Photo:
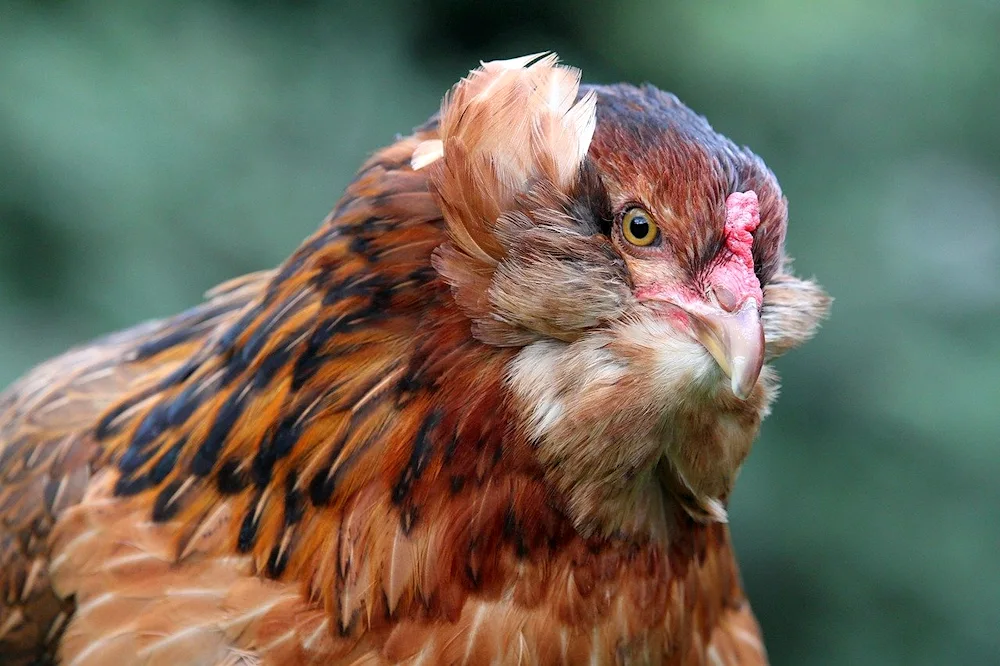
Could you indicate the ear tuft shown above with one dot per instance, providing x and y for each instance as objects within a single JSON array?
[
  {"x": 509, "y": 131},
  {"x": 793, "y": 309},
  {"x": 508, "y": 124}
]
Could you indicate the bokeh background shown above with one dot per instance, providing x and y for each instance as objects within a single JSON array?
[{"x": 150, "y": 150}]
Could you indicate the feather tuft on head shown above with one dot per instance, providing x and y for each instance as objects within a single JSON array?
[{"x": 507, "y": 125}]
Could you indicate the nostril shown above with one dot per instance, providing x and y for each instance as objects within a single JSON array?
[{"x": 726, "y": 298}]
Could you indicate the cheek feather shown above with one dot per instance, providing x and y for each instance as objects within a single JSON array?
[
  {"x": 532, "y": 375},
  {"x": 670, "y": 360}
]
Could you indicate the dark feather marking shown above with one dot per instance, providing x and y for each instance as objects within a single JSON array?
[
  {"x": 471, "y": 571},
  {"x": 182, "y": 406},
  {"x": 236, "y": 367},
  {"x": 375, "y": 224},
  {"x": 352, "y": 286},
  {"x": 281, "y": 313},
  {"x": 286, "y": 435},
  {"x": 133, "y": 459},
  {"x": 360, "y": 245},
  {"x": 104, "y": 427},
  {"x": 346, "y": 201},
  {"x": 423, "y": 275},
  {"x": 230, "y": 479},
  {"x": 322, "y": 486},
  {"x": 408, "y": 518},
  {"x": 274, "y": 448},
  {"x": 295, "y": 263},
  {"x": 248, "y": 529},
  {"x": 228, "y": 339},
  {"x": 380, "y": 301},
  {"x": 166, "y": 463},
  {"x": 293, "y": 499},
  {"x": 450, "y": 448},
  {"x": 423, "y": 448},
  {"x": 208, "y": 453},
  {"x": 174, "y": 338},
  {"x": 324, "y": 483},
  {"x": 277, "y": 561},
  {"x": 251, "y": 348},
  {"x": 262, "y": 466},
  {"x": 131, "y": 485},
  {"x": 513, "y": 532},
  {"x": 311, "y": 358},
  {"x": 412, "y": 382},
  {"x": 509, "y": 522},
  {"x": 306, "y": 366},
  {"x": 183, "y": 328},
  {"x": 180, "y": 375},
  {"x": 273, "y": 362},
  {"x": 153, "y": 347},
  {"x": 165, "y": 506},
  {"x": 148, "y": 432}
]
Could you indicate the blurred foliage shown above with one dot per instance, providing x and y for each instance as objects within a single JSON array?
[{"x": 150, "y": 150}]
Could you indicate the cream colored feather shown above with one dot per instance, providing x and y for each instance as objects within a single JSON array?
[{"x": 506, "y": 125}]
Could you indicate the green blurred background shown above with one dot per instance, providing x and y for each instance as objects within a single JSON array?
[{"x": 151, "y": 150}]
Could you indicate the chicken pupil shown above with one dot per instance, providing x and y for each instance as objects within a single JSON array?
[{"x": 639, "y": 226}]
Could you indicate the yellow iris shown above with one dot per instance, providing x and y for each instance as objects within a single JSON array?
[{"x": 637, "y": 228}]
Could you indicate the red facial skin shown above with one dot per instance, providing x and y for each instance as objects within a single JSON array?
[{"x": 726, "y": 319}]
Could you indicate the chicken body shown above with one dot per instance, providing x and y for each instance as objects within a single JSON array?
[{"x": 490, "y": 412}]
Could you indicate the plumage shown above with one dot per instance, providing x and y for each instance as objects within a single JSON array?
[{"x": 465, "y": 422}]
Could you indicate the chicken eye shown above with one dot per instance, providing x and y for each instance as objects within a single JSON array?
[{"x": 637, "y": 228}]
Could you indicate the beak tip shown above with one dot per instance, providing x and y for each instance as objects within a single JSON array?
[{"x": 742, "y": 380}]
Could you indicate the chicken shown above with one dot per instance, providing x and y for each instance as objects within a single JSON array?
[{"x": 491, "y": 412}]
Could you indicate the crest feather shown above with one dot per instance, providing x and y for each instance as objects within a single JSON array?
[{"x": 506, "y": 125}]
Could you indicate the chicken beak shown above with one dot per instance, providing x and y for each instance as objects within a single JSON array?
[{"x": 736, "y": 342}]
